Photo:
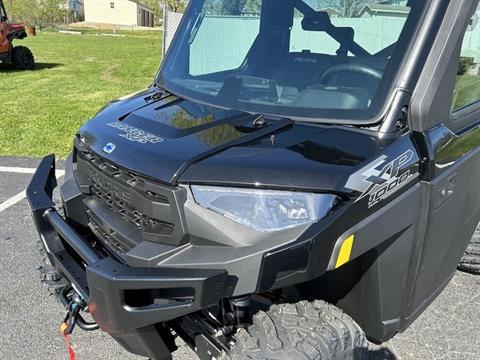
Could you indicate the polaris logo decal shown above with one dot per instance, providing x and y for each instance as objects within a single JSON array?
[
  {"x": 136, "y": 135},
  {"x": 109, "y": 148},
  {"x": 382, "y": 178}
]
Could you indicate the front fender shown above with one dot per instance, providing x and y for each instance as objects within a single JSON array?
[{"x": 16, "y": 31}]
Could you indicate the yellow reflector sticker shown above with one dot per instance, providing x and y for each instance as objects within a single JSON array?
[{"x": 345, "y": 252}]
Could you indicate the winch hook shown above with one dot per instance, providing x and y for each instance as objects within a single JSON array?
[{"x": 75, "y": 304}]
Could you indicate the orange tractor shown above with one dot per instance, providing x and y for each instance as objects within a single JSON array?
[{"x": 19, "y": 57}]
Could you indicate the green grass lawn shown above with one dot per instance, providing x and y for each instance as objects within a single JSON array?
[
  {"x": 467, "y": 90},
  {"x": 75, "y": 76}
]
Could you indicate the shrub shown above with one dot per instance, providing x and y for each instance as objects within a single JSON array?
[{"x": 465, "y": 64}]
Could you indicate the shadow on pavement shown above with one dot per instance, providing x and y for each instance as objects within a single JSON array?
[{"x": 381, "y": 354}]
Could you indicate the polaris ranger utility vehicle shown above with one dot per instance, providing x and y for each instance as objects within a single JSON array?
[
  {"x": 20, "y": 57},
  {"x": 297, "y": 179}
]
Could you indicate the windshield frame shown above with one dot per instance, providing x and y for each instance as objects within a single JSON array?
[{"x": 405, "y": 72}]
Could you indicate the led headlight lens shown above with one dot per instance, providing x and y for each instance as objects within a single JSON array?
[{"x": 264, "y": 210}]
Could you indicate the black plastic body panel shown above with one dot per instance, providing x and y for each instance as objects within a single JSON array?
[
  {"x": 451, "y": 202},
  {"x": 319, "y": 241},
  {"x": 109, "y": 280},
  {"x": 153, "y": 210},
  {"x": 306, "y": 157},
  {"x": 370, "y": 288},
  {"x": 200, "y": 144},
  {"x": 449, "y": 144}
]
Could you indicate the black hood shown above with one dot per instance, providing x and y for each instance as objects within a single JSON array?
[{"x": 171, "y": 139}]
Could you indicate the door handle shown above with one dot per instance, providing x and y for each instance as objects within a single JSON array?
[{"x": 445, "y": 191}]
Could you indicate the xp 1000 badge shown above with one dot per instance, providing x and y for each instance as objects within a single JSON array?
[{"x": 383, "y": 177}]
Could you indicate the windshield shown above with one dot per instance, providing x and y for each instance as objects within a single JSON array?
[{"x": 302, "y": 59}]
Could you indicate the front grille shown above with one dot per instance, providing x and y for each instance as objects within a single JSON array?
[
  {"x": 108, "y": 238},
  {"x": 149, "y": 210},
  {"x": 120, "y": 176},
  {"x": 118, "y": 202}
]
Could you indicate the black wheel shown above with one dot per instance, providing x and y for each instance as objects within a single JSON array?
[
  {"x": 50, "y": 278},
  {"x": 471, "y": 260},
  {"x": 22, "y": 58},
  {"x": 301, "y": 331}
]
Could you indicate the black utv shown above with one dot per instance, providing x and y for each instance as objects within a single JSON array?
[{"x": 299, "y": 178}]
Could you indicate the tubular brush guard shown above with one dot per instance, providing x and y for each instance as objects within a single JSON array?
[{"x": 107, "y": 284}]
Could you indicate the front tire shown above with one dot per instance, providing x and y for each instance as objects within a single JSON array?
[
  {"x": 22, "y": 58},
  {"x": 471, "y": 260},
  {"x": 50, "y": 278},
  {"x": 301, "y": 331}
]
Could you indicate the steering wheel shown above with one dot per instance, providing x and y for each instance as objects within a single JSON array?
[{"x": 355, "y": 68}]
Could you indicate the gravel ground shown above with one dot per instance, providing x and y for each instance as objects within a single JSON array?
[{"x": 29, "y": 319}]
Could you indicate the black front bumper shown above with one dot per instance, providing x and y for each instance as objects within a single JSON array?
[{"x": 120, "y": 298}]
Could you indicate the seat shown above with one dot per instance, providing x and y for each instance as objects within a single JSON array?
[{"x": 302, "y": 70}]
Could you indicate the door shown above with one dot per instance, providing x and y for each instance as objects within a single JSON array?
[
  {"x": 4, "y": 43},
  {"x": 445, "y": 115}
]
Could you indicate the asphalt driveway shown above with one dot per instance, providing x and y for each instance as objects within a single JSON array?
[{"x": 29, "y": 319}]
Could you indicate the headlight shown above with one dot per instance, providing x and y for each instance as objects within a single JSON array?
[{"x": 264, "y": 210}]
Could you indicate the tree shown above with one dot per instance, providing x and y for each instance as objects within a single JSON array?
[
  {"x": 176, "y": 5},
  {"x": 24, "y": 11},
  {"x": 348, "y": 8},
  {"x": 41, "y": 13},
  {"x": 52, "y": 12},
  {"x": 252, "y": 7},
  {"x": 240, "y": 7}
]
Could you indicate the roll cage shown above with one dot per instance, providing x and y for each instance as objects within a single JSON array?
[
  {"x": 3, "y": 12},
  {"x": 270, "y": 53},
  {"x": 320, "y": 21}
]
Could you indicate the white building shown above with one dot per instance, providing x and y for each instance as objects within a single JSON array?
[
  {"x": 118, "y": 12},
  {"x": 385, "y": 10}
]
